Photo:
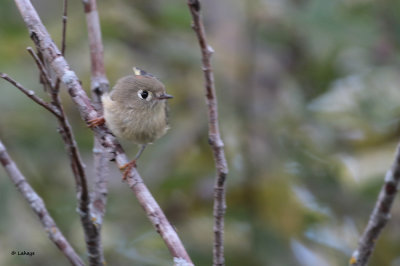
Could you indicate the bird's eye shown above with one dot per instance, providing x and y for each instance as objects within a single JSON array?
[{"x": 144, "y": 94}]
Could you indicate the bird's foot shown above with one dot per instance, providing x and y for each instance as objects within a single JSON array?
[
  {"x": 98, "y": 121},
  {"x": 127, "y": 168}
]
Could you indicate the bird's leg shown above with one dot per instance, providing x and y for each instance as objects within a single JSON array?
[
  {"x": 127, "y": 167},
  {"x": 95, "y": 122},
  {"x": 142, "y": 147}
]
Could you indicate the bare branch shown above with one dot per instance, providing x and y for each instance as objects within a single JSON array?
[
  {"x": 51, "y": 54},
  {"x": 214, "y": 135},
  {"x": 64, "y": 27},
  {"x": 38, "y": 206},
  {"x": 99, "y": 85},
  {"x": 31, "y": 94},
  {"x": 380, "y": 215}
]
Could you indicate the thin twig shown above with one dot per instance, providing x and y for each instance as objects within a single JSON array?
[
  {"x": 38, "y": 206},
  {"x": 213, "y": 134},
  {"x": 56, "y": 87},
  {"x": 51, "y": 53},
  {"x": 31, "y": 94},
  {"x": 99, "y": 85},
  {"x": 64, "y": 27},
  {"x": 44, "y": 76},
  {"x": 380, "y": 215}
]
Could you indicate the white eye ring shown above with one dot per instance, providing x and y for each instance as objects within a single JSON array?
[{"x": 144, "y": 95}]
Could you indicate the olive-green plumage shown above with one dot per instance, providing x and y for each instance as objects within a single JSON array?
[{"x": 136, "y": 108}]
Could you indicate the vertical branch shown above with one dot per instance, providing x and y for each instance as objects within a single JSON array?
[
  {"x": 214, "y": 135},
  {"x": 99, "y": 85},
  {"x": 38, "y": 206},
  {"x": 380, "y": 214}
]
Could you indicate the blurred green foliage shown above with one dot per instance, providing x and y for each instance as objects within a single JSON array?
[{"x": 308, "y": 96}]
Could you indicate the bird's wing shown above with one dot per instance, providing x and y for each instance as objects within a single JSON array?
[{"x": 107, "y": 100}]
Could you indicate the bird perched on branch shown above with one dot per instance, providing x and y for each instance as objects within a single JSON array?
[{"x": 135, "y": 110}]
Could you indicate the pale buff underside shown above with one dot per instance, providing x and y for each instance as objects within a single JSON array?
[{"x": 125, "y": 123}]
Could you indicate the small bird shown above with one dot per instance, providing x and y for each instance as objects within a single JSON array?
[{"x": 136, "y": 110}]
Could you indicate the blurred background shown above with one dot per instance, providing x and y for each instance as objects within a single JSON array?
[{"x": 308, "y": 96}]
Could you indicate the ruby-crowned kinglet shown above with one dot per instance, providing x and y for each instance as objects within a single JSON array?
[{"x": 136, "y": 110}]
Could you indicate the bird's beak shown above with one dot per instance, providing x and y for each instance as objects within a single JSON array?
[{"x": 165, "y": 96}]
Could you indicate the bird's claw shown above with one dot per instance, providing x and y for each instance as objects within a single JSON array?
[
  {"x": 95, "y": 122},
  {"x": 127, "y": 168}
]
